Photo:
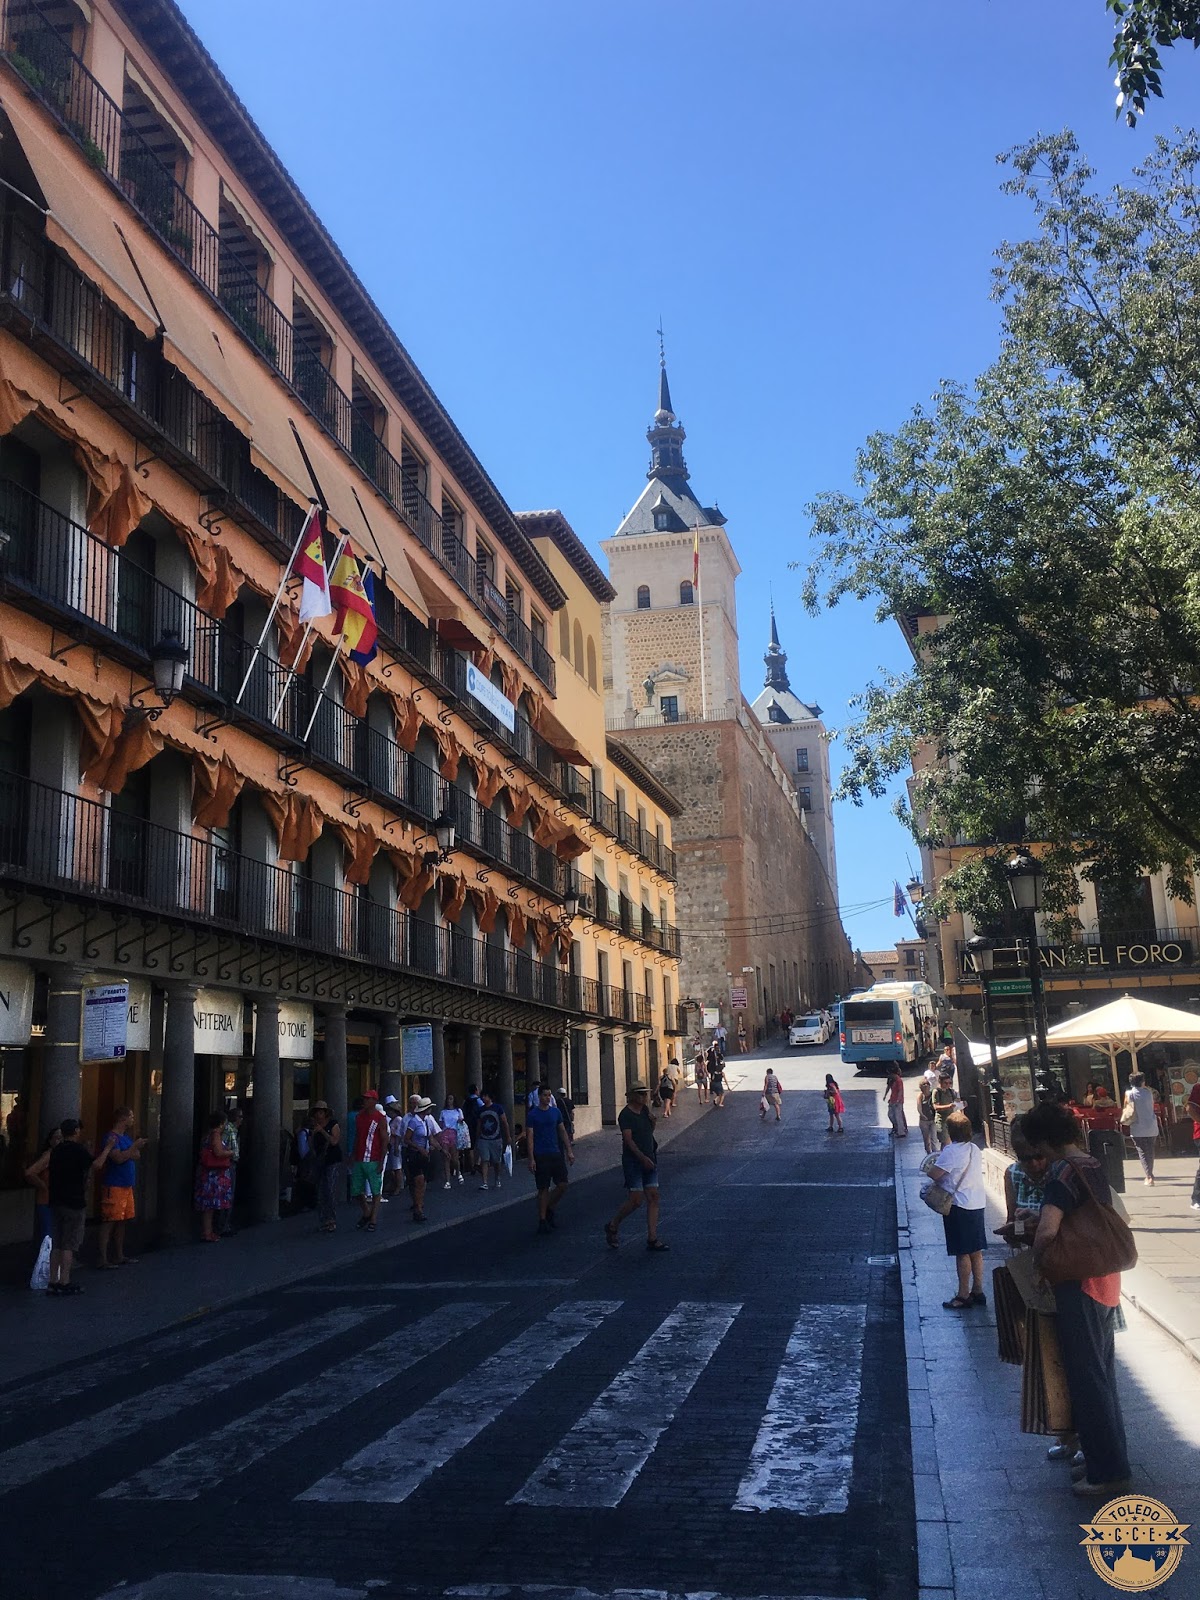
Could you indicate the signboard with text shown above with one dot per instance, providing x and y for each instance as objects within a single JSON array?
[
  {"x": 16, "y": 1002},
  {"x": 480, "y": 687},
  {"x": 217, "y": 1023},
  {"x": 710, "y": 1017},
  {"x": 105, "y": 1027},
  {"x": 416, "y": 1048},
  {"x": 1161, "y": 955},
  {"x": 295, "y": 1030},
  {"x": 738, "y": 999}
]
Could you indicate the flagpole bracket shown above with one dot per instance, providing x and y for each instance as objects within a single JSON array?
[
  {"x": 216, "y": 509},
  {"x": 290, "y": 770},
  {"x": 353, "y": 803},
  {"x": 206, "y": 729}
]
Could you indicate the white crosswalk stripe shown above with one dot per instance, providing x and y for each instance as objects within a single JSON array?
[
  {"x": 389, "y": 1469},
  {"x": 115, "y": 1365},
  {"x": 75, "y": 1440},
  {"x": 595, "y": 1464},
  {"x": 804, "y": 1454},
  {"x": 208, "y": 1462}
]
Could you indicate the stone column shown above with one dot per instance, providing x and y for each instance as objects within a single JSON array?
[
  {"x": 507, "y": 1087},
  {"x": 437, "y": 1085},
  {"x": 178, "y": 1138},
  {"x": 264, "y": 1141},
  {"x": 389, "y": 1058},
  {"x": 60, "y": 1057},
  {"x": 336, "y": 1090},
  {"x": 533, "y": 1062},
  {"x": 474, "y": 1056}
]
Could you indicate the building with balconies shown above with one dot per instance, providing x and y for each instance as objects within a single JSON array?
[{"x": 309, "y": 875}]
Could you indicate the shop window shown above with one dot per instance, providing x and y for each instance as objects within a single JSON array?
[
  {"x": 643, "y": 597},
  {"x": 686, "y": 596}
]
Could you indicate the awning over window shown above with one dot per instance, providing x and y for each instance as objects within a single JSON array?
[{"x": 80, "y": 208}]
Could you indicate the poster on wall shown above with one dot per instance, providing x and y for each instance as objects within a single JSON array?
[
  {"x": 295, "y": 1030},
  {"x": 710, "y": 1017},
  {"x": 104, "y": 1032},
  {"x": 416, "y": 1048},
  {"x": 217, "y": 1023},
  {"x": 739, "y": 999},
  {"x": 16, "y": 1002},
  {"x": 139, "y": 1014}
]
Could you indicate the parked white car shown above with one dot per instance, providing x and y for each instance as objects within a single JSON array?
[{"x": 809, "y": 1030}]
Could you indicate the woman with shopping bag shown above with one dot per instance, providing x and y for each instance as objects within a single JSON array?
[{"x": 957, "y": 1193}]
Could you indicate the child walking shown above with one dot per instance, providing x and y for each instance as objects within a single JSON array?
[{"x": 834, "y": 1103}]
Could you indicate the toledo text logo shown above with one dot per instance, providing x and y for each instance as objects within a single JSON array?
[{"x": 1134, "y": 1543}]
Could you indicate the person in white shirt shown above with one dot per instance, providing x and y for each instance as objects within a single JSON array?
[
  {"x": 420, "y": 1132},
  {"x": 959, "y": 1170},
  {"x": 448, "y": 1139},
  {"x": 1140, "y": 1121}
]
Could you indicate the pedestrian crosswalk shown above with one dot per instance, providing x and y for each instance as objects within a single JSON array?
[{"x": 635, "y": 1381}]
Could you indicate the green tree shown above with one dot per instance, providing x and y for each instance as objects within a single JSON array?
[
  {"x": 1049, "y": 518},
  {"x": 1143, "y": 28}
]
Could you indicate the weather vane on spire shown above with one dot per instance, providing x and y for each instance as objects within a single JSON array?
[{"x": 662, "y": 350}]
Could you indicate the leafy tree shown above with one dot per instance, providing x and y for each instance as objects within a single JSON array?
[
  {"x": 1143, "y": 26},
  {"x": 1043, "y": 528}
]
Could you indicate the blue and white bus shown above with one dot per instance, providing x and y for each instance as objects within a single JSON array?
[{"x": 889, "y": 1022}]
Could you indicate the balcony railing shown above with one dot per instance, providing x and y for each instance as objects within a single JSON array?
[
  {"x": 56, "y": 840},
  {"x": 617, "y": 823}
]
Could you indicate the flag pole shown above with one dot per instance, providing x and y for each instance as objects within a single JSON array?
[
  {"x": 287, "y": 572},
  {"x": 700, "y": 614},
  {"x": 311, "y": 624},
  {"x": 320, "y": 693}
]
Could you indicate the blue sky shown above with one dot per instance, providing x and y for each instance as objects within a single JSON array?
[{"x": 812, "y": 209}]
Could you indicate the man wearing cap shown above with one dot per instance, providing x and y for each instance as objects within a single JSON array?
[
  {"x": 419, "y": 1129},
  {"x": 550, "y": 1153},
  {"x": 394, "y": 1164},
  {"x": 366, "y": 1159},
  {"x": 639, "y": 1167}
]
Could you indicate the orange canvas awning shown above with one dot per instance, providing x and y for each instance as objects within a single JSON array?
[{"x": 80, "y": 209}]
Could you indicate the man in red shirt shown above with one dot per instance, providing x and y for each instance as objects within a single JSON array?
[
  {"x": 366, "y": 1159},
  {"x": 1193, "y": 1110}
]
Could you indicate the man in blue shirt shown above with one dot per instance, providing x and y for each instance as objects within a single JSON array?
[{"x": 550, "y": 1153}]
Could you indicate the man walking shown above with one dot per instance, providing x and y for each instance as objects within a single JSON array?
[
  {"x": 550, "y": 1154},
  {"x": 116, "y": 1165},
  {"x": 366, "y": 1159},
  {"x": 420, "y": 1130},
  {"x": 67, "y": 1175},
  {"x": 639, "y": 1168},
  {"x": 472, "y": 1110},
  {"x": 491, "y": 1137}
]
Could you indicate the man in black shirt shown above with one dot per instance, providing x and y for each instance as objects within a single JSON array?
[
  {"x": 67, "y": 1177},
  {"x": 639, "y": 1167}
]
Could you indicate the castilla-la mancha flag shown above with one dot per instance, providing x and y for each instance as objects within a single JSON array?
[{"x": 310, "y": 564}]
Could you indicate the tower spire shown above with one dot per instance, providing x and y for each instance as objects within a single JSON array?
[
  {"x": 776, "y": 660},
  {"x": 666, "y": 433}
]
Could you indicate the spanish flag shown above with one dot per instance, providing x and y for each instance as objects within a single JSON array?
[
  {"x": 309, "y": 564},
  {"x": 353, "y": 594},
  {"x": 696, "y": 557}
]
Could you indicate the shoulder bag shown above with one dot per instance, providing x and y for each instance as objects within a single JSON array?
[
  {"x": 1091, "y": 1242},
  {"x": 942, "y": 1200}
]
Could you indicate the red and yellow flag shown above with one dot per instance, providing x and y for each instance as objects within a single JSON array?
[
  {"x": 352, "y": 593},
  {"x": 310, "y": 565}
]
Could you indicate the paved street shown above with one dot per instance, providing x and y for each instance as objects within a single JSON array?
[{"x": 486, "y": 1407}]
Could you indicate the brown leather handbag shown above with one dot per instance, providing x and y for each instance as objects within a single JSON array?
[{"x": 1091, "y": 1241}]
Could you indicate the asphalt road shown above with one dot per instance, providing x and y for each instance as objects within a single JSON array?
[{"x": 492, "y": 1413}]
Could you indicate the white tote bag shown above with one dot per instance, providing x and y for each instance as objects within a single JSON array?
[
  {"x": 508, "y": 1159},
  {"x": 40, "y": 1276}
]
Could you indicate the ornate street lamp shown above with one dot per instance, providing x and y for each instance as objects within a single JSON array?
[
  {"x": 169, "y": 658},
  {"x": 444, "y": 832},
  {"x": 1025, "y": 873},
  {"x": 981, "y": 953}
]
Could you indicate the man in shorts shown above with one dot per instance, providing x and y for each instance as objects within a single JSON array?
[
  {"x": 366, "y": 1159},
  {"x": 118, "y": 1173},
  {"x": 67, "y": 1175},
  {"x": 550, "y": 1154},
  {"x": 419, "y": 1133},
  {"x": 491, "y": 1137},
  {"x": 639, "y": 1167}
]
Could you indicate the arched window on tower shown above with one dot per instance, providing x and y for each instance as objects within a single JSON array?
[
  {"x": 577, "y": 637},
  {"x": 686, "y": 596},
  {"x": 591, "y": 662},
  {"x": 643, "y": 597}
]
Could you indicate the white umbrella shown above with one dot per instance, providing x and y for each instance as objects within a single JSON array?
[{"x": 1124, "y": 1024}]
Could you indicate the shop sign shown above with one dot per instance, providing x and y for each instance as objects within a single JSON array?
[
  {"x": 217, "y": 1023},
  {"x": 139, "y": 1014},
  {"x": 16, "y": 1002},
  {"x": 480, "y": 687},
  {"x": 105, "y": 1027},
  {"x": 1130, "y": 953},
  {"x": 738, "y": 999},
  {"x": 295, "y": 1030},
  {"x": 416, "y": 1047}
]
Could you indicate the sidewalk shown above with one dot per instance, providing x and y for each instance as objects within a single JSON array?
[
  {"x": 174, "y": 1285},
  {"x": 995, "y": 1519}
]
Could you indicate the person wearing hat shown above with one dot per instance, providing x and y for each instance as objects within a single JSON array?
[
  {"x": 325, "y": 1142},
  {"x": 944, "y": 1104},
  {"x": 639, "y": 1167},
  {"x": 420, "y": 1130},
  {"x": 550, "y": 1153},
  {"x": 393, "y": 1166},
  {"x": 366, "y": 1163}
]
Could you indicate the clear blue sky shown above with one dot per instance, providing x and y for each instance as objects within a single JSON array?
[{"x": 525, "y": 187}]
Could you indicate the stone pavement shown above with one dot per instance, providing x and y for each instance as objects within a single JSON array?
[
  {"x": 1165, "y": 1284},
  {"x": 995, "y": 1519},
  {"x": 172, "y": 1286}
]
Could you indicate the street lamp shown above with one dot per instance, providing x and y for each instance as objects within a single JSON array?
[
  {"x": 981, "y": 953},
  {"x": 444, "y": 832},
  {"x": 169, "y": 658},
  {"x": 915, "y": 890},
  {"x": 570, "y": 907},
  {"x": 1024, "y": 873}
]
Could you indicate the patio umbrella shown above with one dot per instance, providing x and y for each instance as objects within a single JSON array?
[{"x": 1124, "y": 1024}]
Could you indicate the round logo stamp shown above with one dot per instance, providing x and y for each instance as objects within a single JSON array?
[{"x": 1134, "y": 1542}]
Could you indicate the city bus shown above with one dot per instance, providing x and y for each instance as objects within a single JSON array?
[{"x": 889, "y": 1022}]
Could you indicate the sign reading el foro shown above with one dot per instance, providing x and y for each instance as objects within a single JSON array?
[{"x": 217, "y": 1023}]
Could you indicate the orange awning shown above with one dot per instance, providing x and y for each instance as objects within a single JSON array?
[{"x": 80, "y": 216}]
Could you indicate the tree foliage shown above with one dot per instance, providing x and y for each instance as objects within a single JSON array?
[
  {"x": 1049, "y": 518},
  {"x": 1143, "y": 28}
]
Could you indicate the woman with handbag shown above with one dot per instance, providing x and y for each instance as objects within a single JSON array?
[
  {"x": 958, "y": 1194},
  {"x": 1081, "y": 1247},
  {"x": 214, "y": 1178}
]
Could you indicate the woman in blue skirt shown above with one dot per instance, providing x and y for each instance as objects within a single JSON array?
[{"x": 959, "y": 1170}]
